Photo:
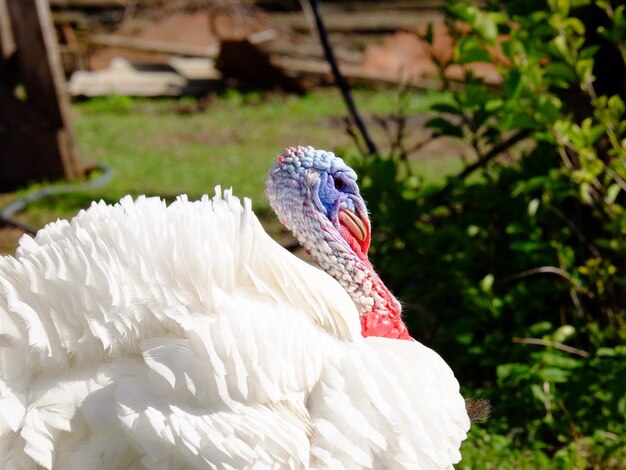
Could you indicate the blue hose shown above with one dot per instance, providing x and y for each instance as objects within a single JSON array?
[{"x": 16, "y": 206}]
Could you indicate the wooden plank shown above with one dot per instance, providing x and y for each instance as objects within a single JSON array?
[
  {"x": 195, "y": 76},
  {"x": 38, "y": 69},
  {"x": 354, "y": 73},
  {"x": 161, "y": 47},
  {"x": 7, "y": 48},
  {"x": 89, "y": 3},
  {"x": 311, "y": 50},
  {"x": 16, "y": 158},
  {"x": 382, "y": 21},
  {"x": 396, "y": 5},
  {"x": 103, "y": 3},
  {"x": 7, "y": 45},
  {"x": 42, "y": 152},
  {"x": 18, "y": 116}
]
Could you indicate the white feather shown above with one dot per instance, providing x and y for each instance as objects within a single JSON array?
[{"x": 142, "y": 335}]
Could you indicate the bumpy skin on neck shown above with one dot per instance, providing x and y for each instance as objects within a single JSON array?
[{"x": 315, "y": 195}]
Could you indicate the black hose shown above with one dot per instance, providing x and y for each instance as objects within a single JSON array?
[{"x": 19, "y": 205}]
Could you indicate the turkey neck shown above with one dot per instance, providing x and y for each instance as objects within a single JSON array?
[{"x": 379, "y": 310}]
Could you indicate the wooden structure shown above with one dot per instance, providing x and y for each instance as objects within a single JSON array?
[{"x": 36, "y": 141}]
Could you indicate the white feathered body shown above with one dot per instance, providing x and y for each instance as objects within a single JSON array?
[{"x": 142, "y": 335}]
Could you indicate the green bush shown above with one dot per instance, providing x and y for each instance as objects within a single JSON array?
[{"x": 516, "y": 275}]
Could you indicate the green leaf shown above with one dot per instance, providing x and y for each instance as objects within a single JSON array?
[
  {"x": 475, "y": 95},
  {"x": 465, "y": 338},
  {"x": 442, "y": 126},
  {"x": 540, "y": 328},
  {"x": 487, "y": 283},
  {"x": 517, "y": 121},
  {"x": 469, "y": 49},
  {"x": 446, "y": 108},
  {"x": 554, "y": 375},
  {"x": 616, "y": 105},
  {"x": 595, "y": 133},
  {"x": 563, "y": 333},
  {"x": 540, "y": 394},
  {"x": 463, "y": 11},
  {"x": 589, "y": 52},
  {"x": 560, "y": 70},
  {"x": 533, "y": 205},
  {"x": 575, "y": 24},
  {"x": 584, "y": 69},
  {"x": 493, "y": 105},
  {"x": 562, "y": 7},
  {"x": 485, "y": 25},
  {"x": 560, "y": 43},
  {"x": 474, "y": 54},
  {"x": 428, "y": 36},
  {"x": 508, "y": 48},
  {"x": 473, "y": 230},
  {"x": 511, "y": 82},
  {"x": 511, "y": 371},
  {"x": 548, "y": 107},
  {"x": 605, "y": 352},
  {"x": 559, "y": 361},
  {"x": 612, "y": 192}
]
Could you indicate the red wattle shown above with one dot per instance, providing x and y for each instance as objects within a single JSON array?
[
  {"x": 357, "y": 247},
  {"x": 375, "y": 324},
  {"x": 360, "y": 247}
]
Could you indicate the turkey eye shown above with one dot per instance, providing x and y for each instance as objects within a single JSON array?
[{"x": 339, "y": 184}]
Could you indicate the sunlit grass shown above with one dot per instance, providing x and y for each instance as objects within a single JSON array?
[
  {"x": 156, "y": 149},
  {"x": 167, "y": 147}
]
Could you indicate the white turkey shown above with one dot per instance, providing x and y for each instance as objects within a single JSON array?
[{"x": 141, "y": 335}]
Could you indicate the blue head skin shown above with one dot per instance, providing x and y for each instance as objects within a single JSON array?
[
  {"x": 305, "y": 181},
  {"x": 315, "y": 195}
]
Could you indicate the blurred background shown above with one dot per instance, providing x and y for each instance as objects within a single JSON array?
[{"x": 489, "y": 138}]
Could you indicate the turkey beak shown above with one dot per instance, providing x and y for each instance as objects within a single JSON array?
[
  {"x": 358, "y": 226},
  {"x": 355, "y": 226}
]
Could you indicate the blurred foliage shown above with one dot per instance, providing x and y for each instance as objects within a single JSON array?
[{"x": 517, "y": 276}]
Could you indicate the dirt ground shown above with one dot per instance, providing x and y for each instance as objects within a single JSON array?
[{"x": 9, "y": 237}]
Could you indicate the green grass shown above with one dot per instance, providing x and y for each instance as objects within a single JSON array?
[
  {"x": 156, "y": 149},
  {"x": 167, "y": 147}
]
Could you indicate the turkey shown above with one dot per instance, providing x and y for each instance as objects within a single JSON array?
[{"x": 142, "y": 335}]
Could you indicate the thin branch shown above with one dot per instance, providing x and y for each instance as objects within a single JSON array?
[
  {"x": 309, "y": 16},
  {"x": 544, "y": 270},
  {"x": 575, "y": 287},
  {"x": 496, "y": 150},
  {"x": 421, "y": 144},
  {"x": 340, "y": 80},
  {"x": 617, "y": 178},
  {"x": 567, "y": 161},
  {"x": 349, "y": 128},
  {"x": 568, "y": 416},
  {"x": 552, "y": 344},
  {"x": 576, "y": 301},
  {"x": 581, "y": 236}
]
